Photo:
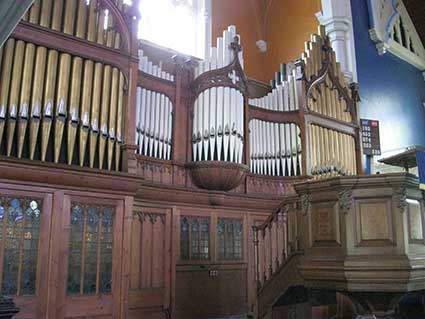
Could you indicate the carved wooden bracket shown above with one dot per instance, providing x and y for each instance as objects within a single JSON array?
[
  {"x": 345, "y": 200},
  {"x": 151, "y": 216},
  {"x": 399, "y": 198},
  {"x": 304, "y": 204}
]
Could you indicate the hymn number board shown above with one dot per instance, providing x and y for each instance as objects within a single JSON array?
[{"x": 370, "y": 137}]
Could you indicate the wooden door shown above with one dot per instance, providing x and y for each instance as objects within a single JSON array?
[{"x": 150, "y": 279}]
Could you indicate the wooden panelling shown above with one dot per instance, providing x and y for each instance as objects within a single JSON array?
[
  {"x": 374, "y": 222},
  {"x": 150, "y": 270},
  {"x": 325, "y": 223},
  {"x": 416, "y": 226},
  {"x": 51, "y": 300},
  {"x": 201, "y": 296}
]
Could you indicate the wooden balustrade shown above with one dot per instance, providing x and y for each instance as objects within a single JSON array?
[{"x": 276, "y": 240}]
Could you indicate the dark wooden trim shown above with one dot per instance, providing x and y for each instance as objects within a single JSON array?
[
  {"x": 331, "y": 123},
  {"x": 69, "y": 44},
  {"x": 68, "y": 177},
  {"x": 273, "y": 116},
  {"x": 156, "y": 84}
]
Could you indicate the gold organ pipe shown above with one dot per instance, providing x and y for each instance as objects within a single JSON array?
[
  {"x": 61, "y": 102},
  {"x": 312, "y": 60},
  {"x": 106, "y": 96},
  {"x": 57, "y": 15},
  {"x": 15, "y": 90},
  {"x": 6, "y": 71},
  {"x": 35, "y": 12},
  {"x": 95, "y": 110},
  {"x": 112, "y": 115},
  {"x": 326, "y": 148},
  {"x": 353, "y": 148},
  {"x": 323, "y": 150},
  {"x": 81, "y": 19},
  {"x": 37, "y": 96},
  {"x": 85, "y": 108},
  {"x": 332, "y": 151},
  {"x": 69, "y": 19},
  {"x": 119, "y": 122},
  {"x": 100, "y": 27},
  {"x": 110, "y": 33},
  {"x": 46, "y": 13},
  {"x": 74, "y": 106},
  {"x": 117, "y": 42},
  {"x": 335, "y": 151},
  {"x": 91, "y": 23},
  {"x": 319, "y": 150},
  {"x": 348, "y": 152},
  {"x": 48, "y": 104},
  {"x": 26, "y": 85},
  {"x": 312, "y": 146}
]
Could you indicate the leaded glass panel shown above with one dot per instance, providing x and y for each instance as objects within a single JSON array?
[
  {"x": 90, "y": 255},
  {"x": 230, "y": 238},
  {"x": 106, "y": 251},
  {"x": 20, "y": 220},
  {"x": 194, "y": 238}
]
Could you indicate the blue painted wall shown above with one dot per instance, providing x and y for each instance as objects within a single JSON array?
[{"x": 391, "y": 90}]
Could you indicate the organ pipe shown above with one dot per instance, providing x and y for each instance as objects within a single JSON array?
[
  {"x": 49, "y": 95},
  {"x": 7, "y": 58},
  {"x": 84, "y": 19},
  {"x": 275, "y": 148},
  {"x": 74, "y": 106},
  {"x": 95, "y": 112},
  {"x": 85, "y": 109},
  {"x": 37, "y": 96},
  {"x": 61, "y": 102},
  {"x": 15, "y": 92},
  {"x": 24, "y": 103},
  {"x": 218, "y": 111}
]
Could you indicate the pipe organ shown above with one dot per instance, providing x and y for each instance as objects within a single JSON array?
[
  {"x": 275, "y": 148},
  {"x": 311, "y": 112},
  {"x": 218, "y": 115},
  {"x": 80, "y": 18},
  {"x": 60, "y": 107},
  {"x": 328, "y": 94},
  {"x": 284, "y": 96},
  {"x": 52, "y": 105},
  {"x": 333, "y": 150},
  {"x": 150, "y": 68},
  {"x": 154, "y": 115}
]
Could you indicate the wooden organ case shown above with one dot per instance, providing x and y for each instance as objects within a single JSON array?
[{"x": 137, "y": 182}]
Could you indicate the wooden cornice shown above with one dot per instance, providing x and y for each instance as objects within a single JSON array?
[
  {"x": 18, "y": 171},
  {"x": 201, "y": 198}
]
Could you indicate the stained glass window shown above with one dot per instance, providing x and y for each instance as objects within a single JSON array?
[
  {"x": 230, "y": 237},
  {"x": 194, "y": 238},
  {"x": 90, "y": 249},
  {"x": 19, "y": 240}
]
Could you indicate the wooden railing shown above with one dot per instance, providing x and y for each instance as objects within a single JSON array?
[{"x": 276, "y": 240}]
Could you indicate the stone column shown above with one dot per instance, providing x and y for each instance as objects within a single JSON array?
[{"x": 336, "y": 16}]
